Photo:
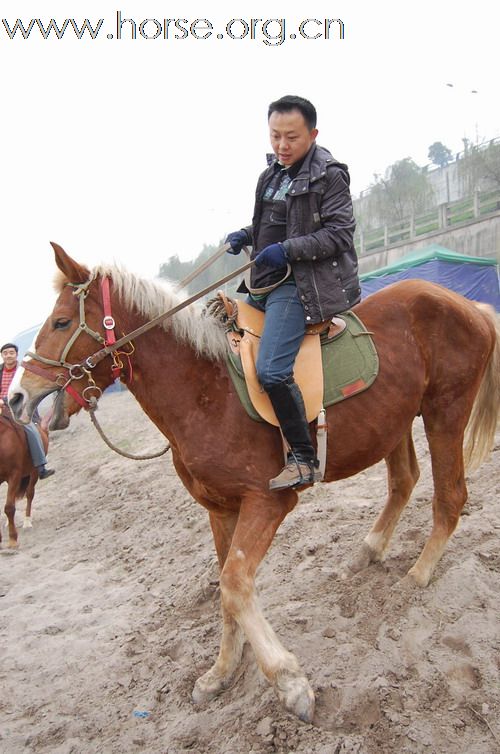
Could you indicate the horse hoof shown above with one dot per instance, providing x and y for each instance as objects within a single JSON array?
[
  {"x": 296, "y": 695},
  {"x": 365, "y": 556},
  {"x": 207, "y": 688},
  {"x": 10, "y": 551},
  {"x": 27, "y": 523},
  {"x": 346, "y": 574},
  {"x": 416, "y": 577}
]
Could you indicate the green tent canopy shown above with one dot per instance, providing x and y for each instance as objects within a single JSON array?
[{"x": 473, "y": 277}]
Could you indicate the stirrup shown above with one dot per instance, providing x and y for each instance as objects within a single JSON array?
[{"x": 292, "y": 475}]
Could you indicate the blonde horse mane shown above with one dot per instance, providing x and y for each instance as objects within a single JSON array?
[
  {"x": 152, "y": 298},
  {"x": 481, "y": 428}
]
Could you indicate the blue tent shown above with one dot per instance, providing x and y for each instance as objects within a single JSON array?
[{"x": 476, "y": 278}]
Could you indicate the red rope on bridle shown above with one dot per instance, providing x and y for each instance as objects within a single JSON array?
[{"x": 68, "y": 372}]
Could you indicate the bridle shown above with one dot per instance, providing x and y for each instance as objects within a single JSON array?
[{"x": 72, "y": 372}]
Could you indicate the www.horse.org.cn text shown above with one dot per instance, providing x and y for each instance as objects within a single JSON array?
[{"x": 269, "y": 31}]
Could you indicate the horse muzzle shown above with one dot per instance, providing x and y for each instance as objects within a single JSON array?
[
  {"x": 18, "y": 404},
  {"x": 23, "y": 406}
]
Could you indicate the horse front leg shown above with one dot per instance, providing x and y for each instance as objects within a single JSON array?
[
  {"x": 220, "y": 675},
  {"x": 258, "y": 521},
  {"x": 30, "y": 494}
]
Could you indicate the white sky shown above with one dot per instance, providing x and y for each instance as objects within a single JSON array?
[{"x": 135, "y": 150}]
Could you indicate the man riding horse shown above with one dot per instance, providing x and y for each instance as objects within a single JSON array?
[
  {"x": 303, "y": 218},
  {"x": 9, "y": 352}
]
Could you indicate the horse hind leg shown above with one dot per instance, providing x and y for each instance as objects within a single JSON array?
[
  {"x": 450, "y": 495},
  {"x": 402, "y": 476},
  {"x": 220, "y": 675}
]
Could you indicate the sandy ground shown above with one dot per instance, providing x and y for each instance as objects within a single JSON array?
[{"x": 109, "y": 611}]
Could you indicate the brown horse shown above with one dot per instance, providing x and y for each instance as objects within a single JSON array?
[
  {"x": 439, "y": 357},
  {"x": 17, "y": 470}
]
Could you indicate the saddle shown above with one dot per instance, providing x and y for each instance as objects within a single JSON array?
[
  {"x": 337, "y": 360},
  {"x": 244, "y": 340}
]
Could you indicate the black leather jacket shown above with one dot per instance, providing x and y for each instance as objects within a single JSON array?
[{"x": 320, "y": 226}]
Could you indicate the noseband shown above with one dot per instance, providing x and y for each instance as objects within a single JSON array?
[{"x": 77, "y": 371}]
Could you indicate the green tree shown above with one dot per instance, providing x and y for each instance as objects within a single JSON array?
[
  {"x": 175, "y": 270},
  {"x": 403, "y": 191},
  {"x": 439, "y": 155}
]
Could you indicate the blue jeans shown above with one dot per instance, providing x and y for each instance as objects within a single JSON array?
[
  {"x": 284, "y": 331},
  {"x": 35, "y": 445}
]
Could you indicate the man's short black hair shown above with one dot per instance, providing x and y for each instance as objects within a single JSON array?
[
  {"x": 9, "y": 345},
  {"x": 291, "y": 102}
]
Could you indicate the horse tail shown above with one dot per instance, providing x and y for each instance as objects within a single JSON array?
[{"x": 481, "y": 428}]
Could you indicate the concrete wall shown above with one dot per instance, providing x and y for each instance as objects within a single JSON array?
[
  {"x": 448, "y": 184},
  {"x": 477, "y": 238}
]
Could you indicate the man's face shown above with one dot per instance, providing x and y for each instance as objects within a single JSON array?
[
  {"x": 9, "y": 356},
  {"x": 290, "y": 136}
]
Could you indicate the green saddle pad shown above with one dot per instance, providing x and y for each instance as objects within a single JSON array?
[{"x": 350, "y": 365}]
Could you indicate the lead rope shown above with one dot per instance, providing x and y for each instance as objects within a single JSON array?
[{"x": 92, "y": 409}]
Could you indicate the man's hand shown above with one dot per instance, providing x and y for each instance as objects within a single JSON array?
[
  {"x": 237, "y": 240},
  {"x": 272, "y": 256}
]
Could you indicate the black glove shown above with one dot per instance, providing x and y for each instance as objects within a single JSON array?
[{"x": 237, "y": 240}]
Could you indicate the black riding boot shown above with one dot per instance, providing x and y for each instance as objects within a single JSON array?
[{"x": 301, "y": 465}]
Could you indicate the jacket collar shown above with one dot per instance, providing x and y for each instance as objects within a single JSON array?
[
  {"x": 314, "y": 167},
  {"x": 272, "y": 161}
]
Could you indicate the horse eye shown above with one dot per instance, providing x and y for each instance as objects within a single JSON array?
[{"x": 62, "y": 324}]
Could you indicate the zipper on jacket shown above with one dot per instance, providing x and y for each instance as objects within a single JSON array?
[{"x": 317, "y": 293}]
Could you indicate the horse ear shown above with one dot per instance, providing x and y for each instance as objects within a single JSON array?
[{"x": 73, "y": 271}]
